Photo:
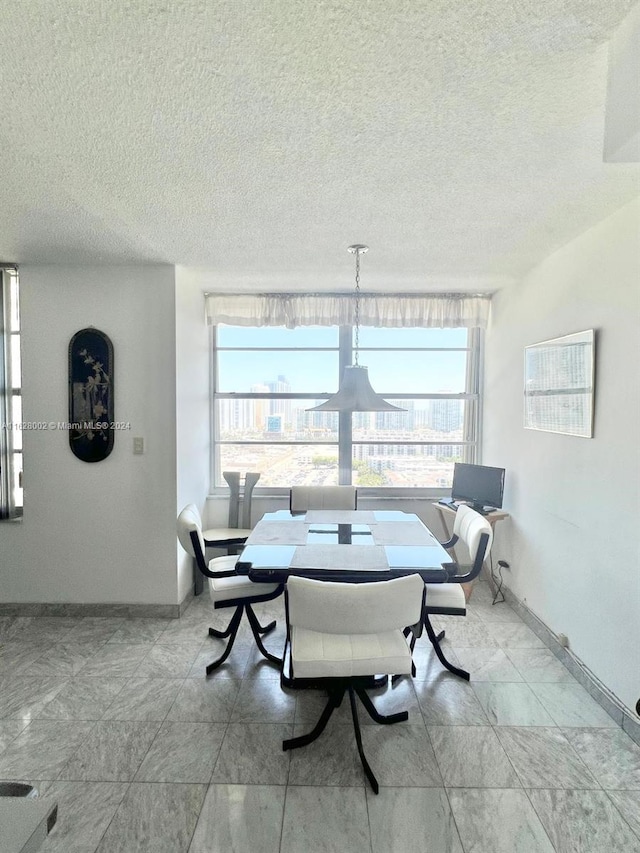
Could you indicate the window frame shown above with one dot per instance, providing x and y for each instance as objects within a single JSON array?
[
  {"x": 11, "y": 508},
  {"x": 345, "y": 443}
]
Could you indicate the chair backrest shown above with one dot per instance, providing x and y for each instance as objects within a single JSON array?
[
  {"x": 189, "y": 521},
  {"x": 354, "y": 608},
  {"x": 302, "y": 498},
  {"x": 476, "y": 533}
]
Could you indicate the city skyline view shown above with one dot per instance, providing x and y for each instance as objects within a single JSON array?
[{"x": 289, "y": 445}]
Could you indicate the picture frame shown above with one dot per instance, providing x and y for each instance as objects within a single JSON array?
[
  {"x": 559, "y": 380},
  {"x": 91, "y": 413}
]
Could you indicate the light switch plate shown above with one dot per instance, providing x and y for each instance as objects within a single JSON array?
[{"x": 138, "y": 444}]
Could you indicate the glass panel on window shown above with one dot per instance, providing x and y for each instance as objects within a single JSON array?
[
  {"x": 274, "y": 420},
  {"x": 416, "y": 372},
  {"x": 282, "y": 465},
  {"x": 414, "y": 448},
  {"x": 14, "y": 317},
  {"x": 277, "y": 336},
  {"x": 278, "y": 372},
  {"x": 15, "y": 361},
  {"x": 405, "y": 465},
  {"x": 406, "y": 338},
  {"x": 422, "y": 420}
]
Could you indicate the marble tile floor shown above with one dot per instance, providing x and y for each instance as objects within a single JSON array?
[{"x": 115, "y": 719}]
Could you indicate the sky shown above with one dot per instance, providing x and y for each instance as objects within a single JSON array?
[{"x": 389, "y": 372}]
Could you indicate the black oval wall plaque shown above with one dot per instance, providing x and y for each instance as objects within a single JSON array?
[{"x": 91, "y": 428}]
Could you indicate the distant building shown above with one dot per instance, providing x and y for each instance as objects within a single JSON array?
[
  {"x": 281, "y": 407},
  {"x": 363, "y": 421},
  {"x": 396, "y": 421},
  {"x": 444, "y": 415},
  {"x": 236, "y": 415},
  {"x": 260, "y": 407},
  {"x": 323, "y": 421}
]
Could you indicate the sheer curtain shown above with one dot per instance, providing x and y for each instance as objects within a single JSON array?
[{"x": 390, "y": 310}]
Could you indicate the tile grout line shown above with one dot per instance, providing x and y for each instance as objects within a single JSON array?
[
  {"x": 454, "y": 819},
  {"x": 113, "y": 817},
  {"x": 526, "y": 792},
  {"x": 615, "y": 806},
  {"x": 569, "y": 744}
]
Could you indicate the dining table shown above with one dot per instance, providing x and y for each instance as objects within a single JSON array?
[{"x": 353, "y": 546}]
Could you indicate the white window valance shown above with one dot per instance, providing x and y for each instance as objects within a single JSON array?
[{"x": 388, "y": 310}]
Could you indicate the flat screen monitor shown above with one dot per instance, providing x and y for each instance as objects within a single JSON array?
[{"x": 480, "y": 485}]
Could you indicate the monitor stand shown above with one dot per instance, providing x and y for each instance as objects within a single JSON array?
[{"x": 479, "y": 508}]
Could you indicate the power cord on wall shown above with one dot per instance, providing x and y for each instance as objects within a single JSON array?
[{"x": 499, "y": 580}]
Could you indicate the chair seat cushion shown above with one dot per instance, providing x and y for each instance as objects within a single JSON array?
[
  {"x": 319, "y": 655},
  {"x": 235, "y": 586},
  {"x": 238, "y": 586},
  {"x": 224, "y": 534},
  {"x": 445, "y": 598}
]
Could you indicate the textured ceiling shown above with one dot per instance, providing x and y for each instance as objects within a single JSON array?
[{"x": 256, "y": 140}]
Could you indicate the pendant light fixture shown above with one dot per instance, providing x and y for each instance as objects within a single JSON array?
[{"x": 355, "y": 393}]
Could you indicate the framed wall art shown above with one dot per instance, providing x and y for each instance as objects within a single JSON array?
[
  {"x": 91, "y": 431},
  {"x": 559, "y": 377}
]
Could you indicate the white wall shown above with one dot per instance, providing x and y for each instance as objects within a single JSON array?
[
  {"x": 192, "y": 406},
  {"x": 573, "y": 540},
  {"x": 100, "y": 532},
  {"x": 622, "y": 119}
]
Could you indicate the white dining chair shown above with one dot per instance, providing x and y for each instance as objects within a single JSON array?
[
  {"x": 448, "y": 599},
  {"x": 303, "y": 498},
  {"x": 341, "y": 634},
  {"x": 227, "y": 588}
]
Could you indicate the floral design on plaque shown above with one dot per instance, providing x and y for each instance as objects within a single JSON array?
[{"x": 91, "y": 423}]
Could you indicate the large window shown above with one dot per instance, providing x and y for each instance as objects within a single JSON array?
[
  {"x": 11, "y": 498},
  {"x": 265, "y": 379}
]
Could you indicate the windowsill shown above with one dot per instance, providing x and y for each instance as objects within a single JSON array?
[{"x": 363, "y": 493}]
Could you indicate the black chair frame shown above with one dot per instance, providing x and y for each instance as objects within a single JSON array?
[
  {"x": 242, "y": 606},
  {"x": 336, "y": 689}
]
